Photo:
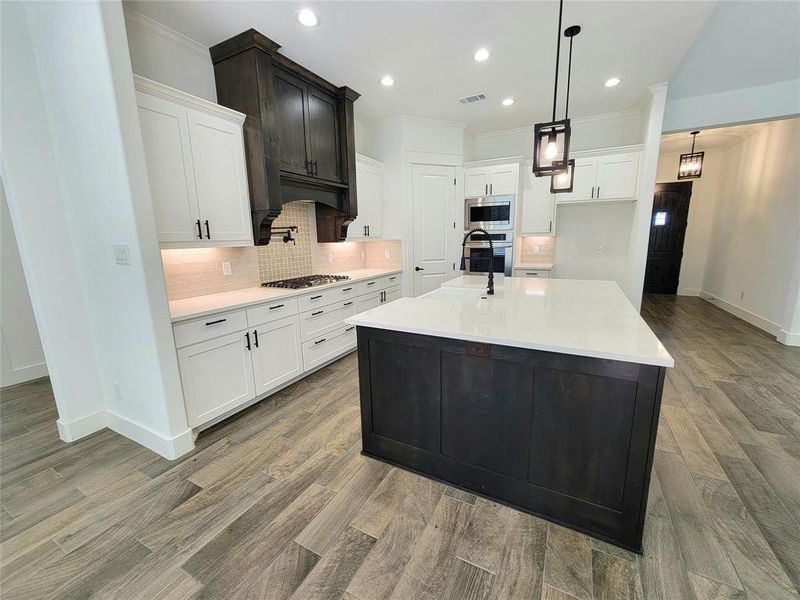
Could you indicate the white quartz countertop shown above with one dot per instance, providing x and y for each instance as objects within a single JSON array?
[
  {"x": 585, "y": 318},
  {"x": 200, "y": 306}
]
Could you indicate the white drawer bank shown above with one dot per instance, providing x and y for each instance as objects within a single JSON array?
[{"x": 231, "y": 359}]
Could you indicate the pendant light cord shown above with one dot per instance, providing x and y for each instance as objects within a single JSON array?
[
  {"x": 569, "y": 77},
  {"x": 558, "y": 55}
]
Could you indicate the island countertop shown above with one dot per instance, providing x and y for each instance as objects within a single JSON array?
[{"x": 578, "y": 317}]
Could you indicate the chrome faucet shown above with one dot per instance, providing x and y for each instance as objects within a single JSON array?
[{"x": 490, "y": 286}]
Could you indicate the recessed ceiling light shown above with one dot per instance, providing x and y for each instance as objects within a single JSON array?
[
  {"x": 308, "y": 18},
  {"x": 481, "y": 54},
  {"x": 613, "y": 81},
  {"x": 387, "y": 81},
  {"x": 508, "y": 102}
]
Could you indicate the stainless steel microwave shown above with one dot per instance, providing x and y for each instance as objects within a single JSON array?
[{"x": 492, "y": 213}]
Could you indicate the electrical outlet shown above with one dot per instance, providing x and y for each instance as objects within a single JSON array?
[
  {"x": 117, "y": 390},
  {"x": 330, "y": 259},
  {"x": 363, "y": 255},
  {"x": 741, "y": 295},
  {"x": 387, "y": 253},
  {"x": 536, "y": 248},
  {"x": 122, "y": 254},
  {"x": 601, "y": 249},
  {"x": 226, "y": 268}
]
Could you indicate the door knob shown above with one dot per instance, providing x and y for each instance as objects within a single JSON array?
[{"x": 418, "y": 269}]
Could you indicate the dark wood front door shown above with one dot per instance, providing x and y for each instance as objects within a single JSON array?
[{"x": 667, "y": 232}]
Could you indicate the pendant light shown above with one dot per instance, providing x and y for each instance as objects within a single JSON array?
[
  {"x": 690, "y": 165},
  {"x": 551, "y": 140},
  {"x": 562, "y": 182}
]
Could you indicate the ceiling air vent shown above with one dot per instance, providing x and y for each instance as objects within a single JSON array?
[{"x": 472, "y": 99}]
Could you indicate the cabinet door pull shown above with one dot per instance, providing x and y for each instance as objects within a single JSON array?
[
  {"x": 350, "y": 329},
  {"x": 199, "y": 230},
  {"x": 347, "y": 289},
  {"x": 319, "y": 341},
  {"x": 347, "y": 304},
  {"x": 486, "y": 188},
  {"x": 255, "y": 337},
  {"x": 598, "y": 191},
  {"x": 550, "y": 228},
  {"x": 314, "y": 168},
  {"x": 592, "y": 192},
  {"x": 367, "y": 230},
  {"x": 247, "y": 336},
  {"x": 277, "y": 306},
  {"x": 215, "y": 322},
  {"x": 393, "y": 277},
  {"x": 491, "y": 187},
  {"x": 370, "y": 283},
  {"x": 208, "y": 231},
  {"x": 319, "y": 312},
  {"x": 308, "y": 168},
  {"x": 315, "y": 297}
]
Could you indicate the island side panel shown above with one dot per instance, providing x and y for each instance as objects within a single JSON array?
[{"x": 565, "y": 437}]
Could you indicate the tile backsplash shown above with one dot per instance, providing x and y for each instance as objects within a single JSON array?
[
  {"x": 527, "y": 246},
  {"x": 195, "y": 272}
]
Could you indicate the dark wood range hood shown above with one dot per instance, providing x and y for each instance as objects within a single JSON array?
[{"x": 299, "y": 134}]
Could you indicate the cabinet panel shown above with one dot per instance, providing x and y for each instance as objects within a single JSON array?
[
  {"x": 538, "y": 205},
  {"x": 504, "y": 179},
  {"x": 165, "y": 133},
  {"x": 368, "y": 301},
  {"x": 617, "y": 176},
  {"x": 392, "y": 294},
  {"x": 218, "y": 156},
  {"x": 329, "y": 347},
  {"x": 291, "y": 118},
  {"x": 323, "y": 135},
  {"x": 276, "y": 357},
  {"x": 476, "y": 182},
  {"x": 583, "y": 187},
  {"x": 322, "y": 320},
  {"x": 369, "y": 183},
  {"x": 217, "y": 377}
]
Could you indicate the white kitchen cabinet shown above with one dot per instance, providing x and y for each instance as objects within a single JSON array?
[
  {"x": 276, "y": 354},
  {"x": 491, "y": 180},
  {"x": 369, "y": 190},
  {"x": 604, "y": 178},
  {"x": 540, "y": 273},
  {"x": 391, "y": 294},
  {"x": 369, "y": 301},
  {"x": 217, "y": 376},
  {"x": 194, "y": 150},
  {"x": 538, "y": 207}
]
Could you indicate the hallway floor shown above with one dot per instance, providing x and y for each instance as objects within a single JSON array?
[{"x": 277, "y": 502}]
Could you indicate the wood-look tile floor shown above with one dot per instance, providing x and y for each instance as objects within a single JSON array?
[{"x": 278, "y": 503}]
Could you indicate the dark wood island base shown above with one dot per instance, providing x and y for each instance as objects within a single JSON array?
[{"x": 564, "y": 437}]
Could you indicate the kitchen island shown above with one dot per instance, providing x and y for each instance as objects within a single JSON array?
[{"x": 544, "y": 396}]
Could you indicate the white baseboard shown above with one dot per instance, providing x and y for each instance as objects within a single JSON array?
[
  {"x": 170, "y": 448},
  {"x": 789, "y": 338},
  {"x": 745, "y": 315},
  {"x": 69, "y": 431},
  {"x": 688, "y": 292}
]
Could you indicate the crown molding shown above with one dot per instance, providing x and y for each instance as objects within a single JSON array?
[
  {"x": 154, "y": 88},
  {"x": 169, "y": 36}
]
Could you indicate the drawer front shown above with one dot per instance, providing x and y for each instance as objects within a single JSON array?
[
  {"x": 326, "y": 297},
  {"x": 368, "y": 302},
  {"x": 531, "y": 273},
  {"x": 322, "y": 320},
  {"x": 392, "y": 280},
  {"x": 370, "y": 285},
  {"x": 265, "y": 313},
  {"x": 327, "y": 347},
  {"x": 200, "y": 330}
]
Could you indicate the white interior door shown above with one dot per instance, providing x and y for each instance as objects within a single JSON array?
[
  {"x": 433, "y": 192},
  {"x": 218, "y": 153}
]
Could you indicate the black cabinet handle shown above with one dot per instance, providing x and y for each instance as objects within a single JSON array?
[
  {"x": 319, "y": 341},
  {"x": 393, "y": 277},
  {"x": 486, "y": 188},
  {"x": 371, "y": 283},
  {"x": 491, "y": 185},
  {"x": 347, "y": 304},
  {"x": 418, "y": 269},
  {"x": 277, "y": 306},
  {"x": 347, "y": 289},
  {"x": 314, "y": 168},
  {"x": 598, "y": 191},
  {"x": 215, "y": 322},
  {"x": 551, "y": 226},
  {"x": 308, "y": 168},
  {"x": 199, "y": 230},
  {"x": 255, "y": 337},
  {"x": 383, "y": 296},
  {"x": 247, "y": 336},
  {"x": 208, "y": 231},
  {"x": 315, "y": 297},
  {"x": 350, "y": 329},
  {"x": 319, "y": 312},
  {"x": 367, "y": 230},
  {"x": 592, "y": 191}
]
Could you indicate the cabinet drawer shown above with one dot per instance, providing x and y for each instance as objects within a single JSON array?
[
  {"x": 209, "y": 327},
  {"x": 321, "y": 320},
  {"x": 326, "y": 297},
  {"x": 273, "y": 311},
  {"x": 327, "y": 347},
  {"x": 391, "y": 281},
  {"x": 368, "y": 301},
  {"x": 370, "y": 285},
  {"x": 531, "y": 273}
]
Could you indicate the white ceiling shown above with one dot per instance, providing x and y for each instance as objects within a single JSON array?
[
  {"x": 707, "y": 139},
  {"x": 427, "y": 47}
]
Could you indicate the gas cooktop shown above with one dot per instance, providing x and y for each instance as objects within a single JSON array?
[{"x": 296, "y": 283}]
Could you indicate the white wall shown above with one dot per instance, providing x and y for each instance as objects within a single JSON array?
[
  {"x": 77, "y": 185},
  {"x": 22, "y": 356},
  {"x": 164, "y": 55},
  {"x": 754, "y": 241},
  {"x": 701, "y": 215}
]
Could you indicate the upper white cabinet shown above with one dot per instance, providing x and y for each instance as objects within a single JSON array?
[
  {"x": 491, "y": 180},
  {"x": 604, "y": 178},
  {"x": 194, "y": 151},
  {"x": 369, "y": 190},
  {"x": 537, "y": 211}
]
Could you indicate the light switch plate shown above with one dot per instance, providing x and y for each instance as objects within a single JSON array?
[
  {"x": 226, "y": 268},
  {"x": 387, "y": 253},
  {"x": 122, "y": 254}
]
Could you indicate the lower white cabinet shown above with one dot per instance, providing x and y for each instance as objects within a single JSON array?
[
  {"x": 217, "y": 376},
  {"x": 541, "y": 273},
  {"x": 276, "y": 354},
  {"x": 327, "y": 347}
]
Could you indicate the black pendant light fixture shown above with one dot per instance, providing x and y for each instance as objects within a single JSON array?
[
  {"x": 551, "y": 140},
  {"x": 562, "y": 182},
  {"x": 691, "y": 165}
]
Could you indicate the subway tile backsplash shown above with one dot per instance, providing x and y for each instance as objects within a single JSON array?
[
  {"x": 527, "y": 246},
  {"x": 196, "y": 272}
]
